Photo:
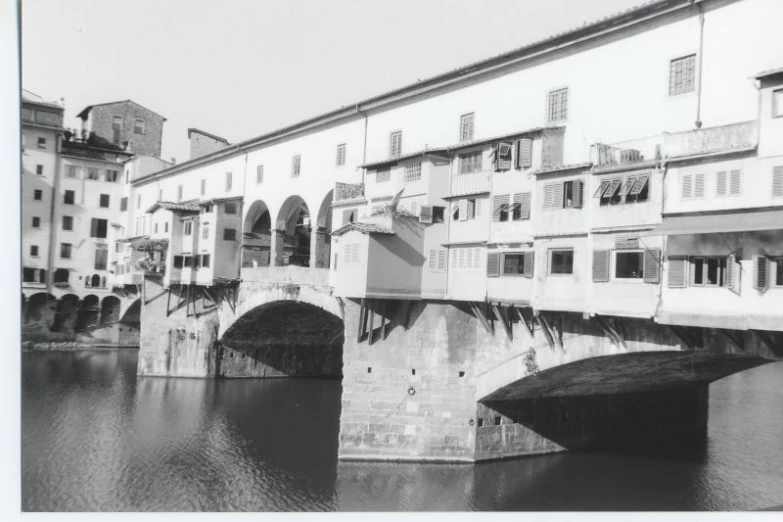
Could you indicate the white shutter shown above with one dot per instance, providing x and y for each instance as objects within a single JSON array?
[
  {"x": 493, "y": 264},
  {"x": 678, "y": 272},
  {"x": 720, "y": 184},
  {"x": 600, "y": 266},
  {"x": 558, "y": 199},
  {"x": 526, "y": 201},
  {"x": 777, "y": 182},
  {"x": 461, "y": 262},
  {"x": 479, "y": 206},
  {"x": 623, "y": 241},
  {"x": 425, "y": 214},
  {"x": 524, "y": 153},
  {"x": 761, "y": 276},
  {"x": 497, "y": 205},
  {"x": 732, "y": 274},
  {"x": 549, "y": 195},
  {"x": 527, "y": 267},
  {"x": 453, "y": 255},
  {"x": 735, "y": 188},
  {"x": 463, "y": 210},
  {"x": 698, "y": 186},
  {"x": 652, "y": 266},
  {"x": 578, "y": 185},
  {"x": 432, "y": 260},
  {"x": 687, "y": 186}
]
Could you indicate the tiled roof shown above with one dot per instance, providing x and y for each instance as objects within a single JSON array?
[
  {"x": 768, "y": 72},
  {"x": 87, "y": 109},
  {"x": 560, "y": 168},
  {"x": 364, "y": 228},
  {"x": 178, "y": 207},
  {"x": 410, "y": 155}
]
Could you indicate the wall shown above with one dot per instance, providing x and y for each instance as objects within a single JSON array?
[
  {"x": 396, "y": 262},
  {"x": 625, "y": 215},
  {"x": 566, "y": 292},
  {"x": 351, "y": 278},
  {"x": 147, "y": 144},
  {"x": 201, "y": 144}
]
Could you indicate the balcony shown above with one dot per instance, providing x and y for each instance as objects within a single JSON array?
[
  {"x": 714, "y": 140},
  {"x": 627, "y": 153}
]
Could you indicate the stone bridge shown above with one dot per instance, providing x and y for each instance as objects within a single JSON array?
[{"x": 452, "y": 381}]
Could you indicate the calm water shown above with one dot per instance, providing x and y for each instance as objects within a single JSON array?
[{"x": 97, "y": 438}]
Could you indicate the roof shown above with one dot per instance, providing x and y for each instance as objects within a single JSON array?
[
  {"x": 217, "y": 200},
  {"x": 768, "y": 72},
  {"x": 743, "y": 220},
  {"x": 562, "y": 168},
  {"x": 86, "y": 111},
  {"x": 624, "y": 19},
  {"x": 204, "y": 133},
  {"x": 177, "y": 207},
  {"x": 31, "y": 97},
  {"x": 364, "y": 228}
]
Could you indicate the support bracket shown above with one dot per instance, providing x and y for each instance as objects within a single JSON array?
[
  {"x": 528, "y": 327},
  {"x": 767, "y": 339},
  {"x": 611, "y": 333},
  {"x": 735, "y": 340},
  {"x": 481, "y": 316},
  {"x": 506, "y": 324}
]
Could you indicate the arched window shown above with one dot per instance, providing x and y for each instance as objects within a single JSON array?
[
  {"x": 61, "y": 275},
  {"x": 96, "y": 281}
]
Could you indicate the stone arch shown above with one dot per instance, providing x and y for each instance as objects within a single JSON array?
[
  {"x": 40, "y": 309},
  {"x": 66, "y": 313},
  {"x": 110, "y": 310},
  {"x": 323, "y": 233},
  {"x": 88, "y": 313},
  {"x": 132, "y": 314},
  {"x": 293, "y": 233},
  {"x": 257, "y": 236}
]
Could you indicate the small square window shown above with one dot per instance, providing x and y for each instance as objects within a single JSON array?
[
  {"x": 112, "y": 176},
  {"x": 38, "y": 195},
  {"x": 93, "y": 174},
  {"x": 39, "y": 170},
  {"x": 41, "y": 143},
  {"x": 471, "y": 163},
  {"x": 67, "y": 222},
  {"x": 682, "y": 75},
  {"x": 229, "y": 234},
  {"x": 230, "y": 208},
  {"x": 138, "y": 126},
  {"x": 104, "y": 201},
  {"x": 70, "y": 171},
  {"x": 382, "y": 175},
  {"x": 65, "y": 250},
  {"x": 36, "y": 222},
  {"x": 34, "y": 250},
  {"x": 69, "y": 197},
  {"x": 561, "y": 261}
]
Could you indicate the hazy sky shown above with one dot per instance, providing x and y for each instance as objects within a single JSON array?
[{"x": 240, "y": 68}]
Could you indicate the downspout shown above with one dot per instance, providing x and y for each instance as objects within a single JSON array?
[
  {"x": 52, "y": 213},
  {"x": 700, "y": 61},
  {"x": 364, "y": 147}
]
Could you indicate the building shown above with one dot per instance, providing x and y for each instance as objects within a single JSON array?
[{"x": 124, "y": 124}]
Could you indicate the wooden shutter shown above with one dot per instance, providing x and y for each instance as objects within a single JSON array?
[
  {"x": 558, "y": 199},
  {"x": 425, "y": 214},
  {"x": 735, "y": 188},
  {"x": 578, "y": 190},
  {"x": 497, "y": 205},
  {"x": 652, "y": 266},
  {"x": 628, "y": 184},
  {"x": 761, "y": 276},
  {"x": 678, "y": 272},
  {"x": 549, "y": 195},
  {"x": 732, "y": 274},
  {"x": 720, "y": 184},
  {"x": 777, "y": 182},
  {"x": 441, "y": 259},
  {"x": 687, "y": 186},
  {"x": 602, "y": 188},
  {"x": 526, "y": 201},
  {"x": 600, "y": 266},
  {"x": 529, "y": 261},
  {"x": 432, "y": 260},
  {"x": 463, "y": 210},
  {"x": 698, "y": 186},
  {"x": 493, "y": 264},
  {"x": 524, "y": 153},
  {"x": 503, "y": 157},
  {"x": 639, "y": 185}
]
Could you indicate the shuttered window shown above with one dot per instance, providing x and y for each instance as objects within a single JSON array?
[
  {"x": 549, "y": 196},
  {"x": 761, "y": 275},
  {"x": 395, "y": 144},
  {"x": 500, "y": 208},
  {"x": 687, "y": 186},
  {"x": 99, "y": 228},
  {"x": 558, "y": 195},
  {"x": 682, "y": 75},
  {"x": 600, "y": 266},
  {"x": 502, "y": 156},
  {"x": 525, "y": 202},
  {"x": 735, "y": 187},
  {"x": 678, "y": 272},
  {"x": 777, "y": 182},
  {"x": 652, "y": 266},
  {"x": 720, "y": 184},
  {"x": 471, "y": 163},
  {"x": 524, "y": 153},
  {"x": 412, "y": 171},
  {"x": 466, "y": 127},
  {"x": 698, "y": 186},
  {"x": 493, "y": 264},
  {"x": 557, "y": 105},
  {"x": 425, "y": 214}
]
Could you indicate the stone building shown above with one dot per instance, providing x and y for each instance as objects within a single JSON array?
[{"x": 124, "y": 124}]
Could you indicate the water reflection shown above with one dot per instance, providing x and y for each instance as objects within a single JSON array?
[{"x": 96, "y": 438}]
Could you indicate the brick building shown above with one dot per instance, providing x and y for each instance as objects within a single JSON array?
[{"x": 126, "y": 124}]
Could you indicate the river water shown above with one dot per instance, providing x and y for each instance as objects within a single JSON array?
[{"x": 96, "y": 437}]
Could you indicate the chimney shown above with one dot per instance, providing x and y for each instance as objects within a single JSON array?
[{"x": 203, "y": 143}]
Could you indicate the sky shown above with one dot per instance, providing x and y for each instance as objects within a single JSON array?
[{"x": 241, "y": 68}]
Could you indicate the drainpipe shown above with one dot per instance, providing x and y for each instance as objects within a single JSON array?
[
  {"x": 700, "y": 64},
  {"x": 52, "y": 213},
  {"x": 364, "y": 149}
]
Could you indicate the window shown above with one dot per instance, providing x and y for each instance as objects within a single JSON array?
[
  {"x": 71, "y": 171},
  {"x": 296, "y": 166},
  {"x": 179, "y": 193},
  {"x": 340, "y": 161},
  {"x": 412, "y": 171},
  {"x": 187, "y": 261},
  {"x": 708, "y": 271},
  {"x": 259, "y": 175},
  {"x": 502, "y": 155},
  {"x": 500, "y": 208},
  {"x": 41, "y": 143},
  {"x": 203, "y": 187},
  {"x": 205, "y": 260},
  {"x": 123, "y": 204},
  {"x": 206, "y": 209},
  {"x": 69, "y": 196},
  {"x": 382, "y": 175},
  {"x": 557, "y": 105},
  {"x": 682, "y": 75},
  {"x": 37, "y": 195},
  {"x": 777, "y": 182},
  {"x": 101, "y": 258},
  {"x": 438, "y": 214},
  {"x": 471, "y": 163},
  {"x": 777, "y": 103},
  {"x": 34, "y": 250},
  {"x": 230, "y": 208},
  {"x": 36, "y": 222},
  {"x": 65, "y": 250},
  {"x": 778, "y": 271},
  {"x": 563, "y": 194},
  {"x": 630, "y": 189},
  {"x": 116, "y": 123},
  {"x": 39, "y": 170},
  {"x": 229, "y": 181},
  {"x": 205, "y": 231},
  {"x": 518, "y": 264},
  {"x": 466, "y": 126},
  {"x": 67, "y": 222},
  {"x": 187, "y": 228},
  {"x": 138, "y": 126},
  {"x": 692, "y": 186},
  {"x": 629, "y": 265},
  {"x": 138, "y": 201},
  {"x": 112, "y": 176},
  {"x": 104, "y": 201},
  {"x": 395, "y": 144},
  {"x": 178, "y": 262},
  {"x": 99, "y": 228},
  {"x": 561, "y": 261},
  {"x": 348, "y": 216},
  {"x": 93, "y": 174},
  {"x": 229, "y": 234}
]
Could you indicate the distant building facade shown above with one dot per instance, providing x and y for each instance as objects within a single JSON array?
[
  {"x": 203, "y": 143},
  {"x": 124, "y": 124}
]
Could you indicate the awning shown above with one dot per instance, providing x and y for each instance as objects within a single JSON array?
[{"x": 745, "y": 221}]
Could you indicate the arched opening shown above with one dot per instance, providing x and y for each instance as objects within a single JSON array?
[
  {"x": 110, "y": 310},
  {"x": 61, "y": 276},
  {"x": 88, "y": 313},
  {"x": 65, "y": 313},
  {"x": 96, "y": 281},
  {"x": 41, "y": 309},
  {"x": 323, "y": 231},
  {"x": 257, "y": 236},
  {"x": 292, "y": 245},
  {"x": 132, "y": 315},
  {"x": 283, "y": 339}
]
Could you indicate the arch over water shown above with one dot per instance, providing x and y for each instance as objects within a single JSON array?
[
  {"x": 110, "y": 310},
  {"x": 88, "y": 313},
  {"x": 66, "y": 313},
  {"x": 257, "y": 236},
  {"x": 41, "y": 308},
  {"x": 132, "y": 315},
  {"x": 293, "y": 226}
]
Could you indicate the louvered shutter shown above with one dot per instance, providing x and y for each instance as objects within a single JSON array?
[
  {"x": 732, "y": 274},
  {"x": 441, "y": 259},
  {"x": 503, "y": 157},
  {"x": 761, "y": 277},
  {"x": 432, "y": 260},
  {"x": 529, "y": 261},
  {"x": 549, "y": 195},
  {"x": 453, "y": 255},
  {"x": 602, "y": 188},
  {"x": 777, "y": 182},
  {"x": 600, "y": 266},
  {"x": 698, "y": 186},
  {"x": 687, "y": 186},
  {"x": 640, "y": 184},
  {"x": 425, "y": 214},
  {"x": 493, "y": 264},
  {"x": 558, "y": 199},
  {"x": 526, "y": 201},
  {"x": 479, "y": 205},
  {"x": 720, "y": 184},
  {"x": 524, "y": 153},
  {"x": 463, "y": 210},
  {"x": 678, "y": 272},
  {"x": 497, "y": 206},
  {"x": 652, "y": 266},
  {"x": 735, "y": 188},
  {"x": 628, "y": 184},
  {"x": 578, "y": 190}
]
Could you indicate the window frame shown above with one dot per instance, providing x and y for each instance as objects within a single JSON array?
[
  {"x": 722, "y": 263},
  {"x": 467, "y": 122},
  {"x": 69, "y": 221},
  {"x": 613, "y": 268},
  {"x": 66, "y": 248},
  {"x": 136, "y": 122},
  {"x": 102, "y": 198},
  {"x": 550, "y": 259},
  {"x": 562, "y": 115},
  {"x": 516, "y": 253},
  {"x": 187, "y": 227},
  {"x": 672, "y": 92},
  {"x": 72, "y": 198},
  {"x": 386, "y": 172},
  {"x": 467, "y": 159},
  {"x": 41, "y": 142}
]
